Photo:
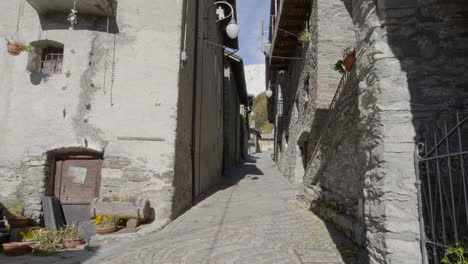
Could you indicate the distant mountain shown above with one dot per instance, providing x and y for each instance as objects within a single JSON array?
[{"x": 255, "y": 78}]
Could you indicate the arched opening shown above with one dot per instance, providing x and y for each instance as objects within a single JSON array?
[{"x": 74, "y": 180}]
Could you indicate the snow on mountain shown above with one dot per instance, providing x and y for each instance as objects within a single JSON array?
[{"x": 255, "y": 78}]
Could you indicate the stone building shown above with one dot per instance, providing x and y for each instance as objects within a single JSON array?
[
  {"x": 127, "y": 101},
  {"x": 350, "y": 139},
  {"x": 267, "y": 142},
  {"x": 254, "y": 141}
]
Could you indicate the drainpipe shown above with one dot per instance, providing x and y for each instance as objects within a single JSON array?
[{"x": 194, "y": 95}]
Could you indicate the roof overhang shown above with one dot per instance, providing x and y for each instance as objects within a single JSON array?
[
  {"x": 84, "y": 7},
  {"x": 290, "y": 20},
  {"x": 237, "y": 65}
]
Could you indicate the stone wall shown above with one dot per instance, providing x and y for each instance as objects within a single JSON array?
[
  {"x": 308, "y": 87},
  {"x": 410, "y": 77},
  {"x": 412, "y": 64},
  {"x": 334, "y": 178}
]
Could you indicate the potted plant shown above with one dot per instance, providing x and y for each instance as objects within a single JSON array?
[
  {"x": 339, "y": 67},
  {"x": 15, "y": 48},
  {"x": 105, "y": 224},
  {"x": 16, "y": 248},
  {"x": 31, "y": 237},
  {"x": 303, "y": 36},
  {"x": 70, "y": 237},
  {"x": 349, "y": 55},
  {"x": 15, "y": 215},
  {"x": 48, "y": 240}
]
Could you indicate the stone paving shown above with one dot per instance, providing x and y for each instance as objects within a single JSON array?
[{"x": 252, "y": 218}]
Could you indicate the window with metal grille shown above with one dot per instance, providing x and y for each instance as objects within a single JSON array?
[{"x": 51, "y": 60}]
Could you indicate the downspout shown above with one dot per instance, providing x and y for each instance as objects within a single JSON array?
[{"x": 194, "y": 96}]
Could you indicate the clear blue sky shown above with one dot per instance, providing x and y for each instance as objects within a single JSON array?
[{"x": 250, "y": 14}]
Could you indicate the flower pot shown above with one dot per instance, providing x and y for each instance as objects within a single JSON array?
[
  {"x": 105, "y": 229},
  {"x": 73, "y": 243},
  {"x": 349, "y": 61},
  {"x": 16, "y": 248},
  {"x": 20, "y": 221},
  {"x": 14, "y": 49},
  {"x": 33, "y": 243}
]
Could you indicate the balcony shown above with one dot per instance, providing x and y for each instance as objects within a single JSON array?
[{"x": 84, "y": 7}]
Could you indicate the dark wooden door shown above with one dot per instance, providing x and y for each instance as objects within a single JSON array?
[{"x": 77, "y": 180}]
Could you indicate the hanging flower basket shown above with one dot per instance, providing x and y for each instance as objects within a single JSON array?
[
  {"x": 14, "y": 49},
  {"x": 349, "y": 61}
]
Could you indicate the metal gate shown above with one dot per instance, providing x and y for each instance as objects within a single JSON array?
[{"x": 442, "y": 180}]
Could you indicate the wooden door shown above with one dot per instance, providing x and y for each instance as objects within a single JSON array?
[{"x": 77, "y": 180}]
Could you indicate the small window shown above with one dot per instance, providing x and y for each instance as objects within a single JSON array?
[
  {"x": 46, "y": 57},
  {"x": 51, "y": 60}
]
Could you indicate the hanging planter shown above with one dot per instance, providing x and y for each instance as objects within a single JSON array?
[
  {"x": 349, "y": 61},
  {"x": 15, "y": 48},
  {"x": 349, "y": 58}
]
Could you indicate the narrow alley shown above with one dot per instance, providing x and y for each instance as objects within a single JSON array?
[{"x": 252, "y": 217}]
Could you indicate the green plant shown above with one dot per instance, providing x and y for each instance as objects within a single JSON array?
[
  {"x": 457, "y": 254},
  {"x": 15, "y": 209},
  {"x": 339, "y": 67},
  {"x": 49, "y": 240},
  {"x": 25, "y": 47},
  {"x": 69, "y": 232},
  {"x": 31, "y": 234},
  {"x": 303, "y": 36}
]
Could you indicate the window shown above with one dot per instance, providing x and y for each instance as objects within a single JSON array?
[
  {"x": 51, "y": 60},
  {"x": 46, "y": 57}
]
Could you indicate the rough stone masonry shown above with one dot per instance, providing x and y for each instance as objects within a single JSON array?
[{"x": 410, "y": 75}]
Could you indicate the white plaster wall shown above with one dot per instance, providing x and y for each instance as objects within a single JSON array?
[{"x": 145, "y": 97}]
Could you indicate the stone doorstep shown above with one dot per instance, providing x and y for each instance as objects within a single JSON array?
[{"x": 114, "y": 238}]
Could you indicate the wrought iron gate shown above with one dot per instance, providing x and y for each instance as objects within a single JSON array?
[{"x": 442, "y": 180}]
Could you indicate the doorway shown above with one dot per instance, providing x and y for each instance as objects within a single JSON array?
[{"x": 77, "y": 181}]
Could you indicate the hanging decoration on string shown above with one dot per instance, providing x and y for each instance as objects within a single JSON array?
[
  {"x": 72, "y": 18},
  {"x": 14, "y": 44},
  {"x": 106, "y": 58}
]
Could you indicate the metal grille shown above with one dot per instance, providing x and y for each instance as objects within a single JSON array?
[
  {"x": 51, "y": 60},
  {"x": 442, "y": 165}
]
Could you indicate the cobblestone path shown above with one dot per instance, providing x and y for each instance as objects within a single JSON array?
[{"x": 251, "y": 218}]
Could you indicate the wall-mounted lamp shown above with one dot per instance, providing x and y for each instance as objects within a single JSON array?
[
  {"x": 232, "y": 28},
  {"x": 269, "y": 92}
]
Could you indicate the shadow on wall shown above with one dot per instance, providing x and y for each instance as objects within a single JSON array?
[
  {"x": 92, "y": 23},
  {"x": 59, "y": 21}
]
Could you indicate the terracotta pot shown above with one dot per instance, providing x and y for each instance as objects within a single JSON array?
[
  {"x": 106, "y": 229},
  {"x": 20, "y": 221},
  {"x": 349, "y": 61},
  {"x": 73, "y": 243},
  {"x": 33, "y": 243},
  {"x": 14, "y": 49},
  {"x": 16, "y": 248}
]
